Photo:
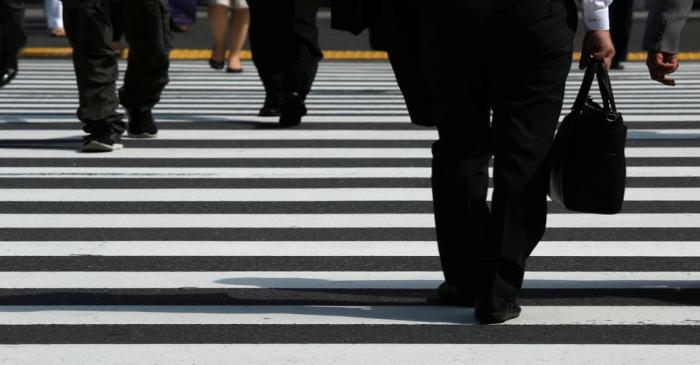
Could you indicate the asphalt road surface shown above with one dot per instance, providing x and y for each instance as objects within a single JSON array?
[{"x": 230, "y": 240}]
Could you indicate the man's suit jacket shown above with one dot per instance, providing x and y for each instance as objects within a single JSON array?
[{"x": 665, "y": 23}]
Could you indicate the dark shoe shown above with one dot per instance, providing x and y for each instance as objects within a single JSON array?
[
  {"x": 271, "y": 108},
  {"x": 234, "y": 70},
  {"x": 7, "y": 75},
  {"x": 616, "y": 65},
  {"x": 177, "y": 28},
  {"x": 101, "y": 143},
  {"x": 452, "y": 295},
  {"x": 269, "y": 112},
  {"x": 492, "y": 309},
  {"x": 292, "y": 108},
  {"x": 141, "y": 125},
  {"x": 217, "y": 65}
]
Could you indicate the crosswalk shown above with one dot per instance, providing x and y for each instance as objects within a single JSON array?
[{"x": 230, "y": 240}]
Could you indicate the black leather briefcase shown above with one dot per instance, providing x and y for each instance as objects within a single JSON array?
[{"x": 588, "y": 157}]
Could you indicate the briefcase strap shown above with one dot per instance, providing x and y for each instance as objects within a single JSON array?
[{"x": 597, "y": 70}]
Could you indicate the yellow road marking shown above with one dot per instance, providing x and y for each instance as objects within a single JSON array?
[{"x": 204, "y": 54}]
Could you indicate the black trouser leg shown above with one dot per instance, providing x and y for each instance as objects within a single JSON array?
[
  {"x": 525, "y": 93},
  {"x": 12, "y": 35},
  {"x": 526, "y": 96},
  {"x": 306, "y": 53},
  {"x": 147, "y": 29},
  {"x": 284, "y": 43},
  {"x": 401, "y": 33},
  {"x": 89, "y": 30},
  {"x": 621, "y": 19}
]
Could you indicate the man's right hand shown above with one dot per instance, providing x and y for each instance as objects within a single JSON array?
[{"x": 660, "y": 65}]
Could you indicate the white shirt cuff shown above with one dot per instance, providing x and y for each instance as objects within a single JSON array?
[{"x": 598, "y": 19}]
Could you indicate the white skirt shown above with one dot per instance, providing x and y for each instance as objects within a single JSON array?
[{"x": 236, "y": 4}]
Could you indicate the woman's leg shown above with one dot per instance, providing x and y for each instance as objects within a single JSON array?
[
  {"x": 240, "y": 20},
  {"x": 54, "y": 17},
  {"x": 218, "y": 22}
]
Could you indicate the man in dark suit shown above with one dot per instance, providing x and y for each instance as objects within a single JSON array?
[
  {"x": 511, "y": 58},
  {"x": 402, "y": 32},
  {"x": 12, "y": 38},
  {"x": 89, "y": 29},
  {"x": 662, "y": 37},
  {"x": 284, "y": 43}
]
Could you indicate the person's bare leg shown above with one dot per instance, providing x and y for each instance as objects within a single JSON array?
[
  {"x": 240, "y": 19},
  {"x": 218, "y": 22}
]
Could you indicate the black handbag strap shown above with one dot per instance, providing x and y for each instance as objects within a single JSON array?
[{"x": 597, "y": 70}]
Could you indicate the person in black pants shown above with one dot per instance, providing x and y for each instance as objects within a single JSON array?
[
  {"x": 12, "y": 38},
  {"x": 510, "y": 58},
  {"x": 621, "y": 19},
  {"x": 284, "y": 43},
  {"x": 90, "y": 31},
  {"x": 401, "y": 31}
]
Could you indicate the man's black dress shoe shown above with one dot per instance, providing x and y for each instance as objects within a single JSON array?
[
  {"x": 492, "y": 309},
  {"x": 7, "y": 75},
  {"x": 453, "y": 295},
  {"x": 271, "y": 107},
  {"x": 292, "y": 108},
  {"x": 269, "y": 111}
]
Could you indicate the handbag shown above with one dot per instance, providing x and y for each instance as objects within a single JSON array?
[{"x": 588, "y": 168}]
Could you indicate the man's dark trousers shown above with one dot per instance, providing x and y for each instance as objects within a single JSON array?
[
  {"x": 12, "y": 36},
  {"x": 89, "y": 27},
  {"x": 621, "y": 19},
  {"x": 512, "y": 58},
  {"x": 398, "y": 28},
  {"x": 284, "y": 43}
]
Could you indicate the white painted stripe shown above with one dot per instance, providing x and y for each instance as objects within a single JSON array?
[
  {"x": 220, "y": 107},
  {"x": 282, "y": 153},
  {"x": 229, "y": 195},
  {"x": 283, "y": 195},
  {"x": 339, "y": 315},
  {"x": 375, "y": 105},
  {"x": 244, "y": 134},
  {"x": 332, "y": 249},
  {"x": 64, "y": 83},
  {"x": 215, "y": 114},
  {"x": 234, "y": 112},
  {"x": 188, "y": 117},
  {"x": 252, "y": 98},
  {"x": 216, "y": 173},
  {"x": 330, "y": 280},
  {"x": 349, "y": 354},
  {"x": 426, "y": 134},
  {"x": 277, "y": 173},
  {"x": 664, "y": 220},
  {"x": 180, "y": 153},
  {"x": 218, "y": 220}
]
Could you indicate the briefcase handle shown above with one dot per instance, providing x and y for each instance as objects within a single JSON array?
[{"x": 597, "y": 70}]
